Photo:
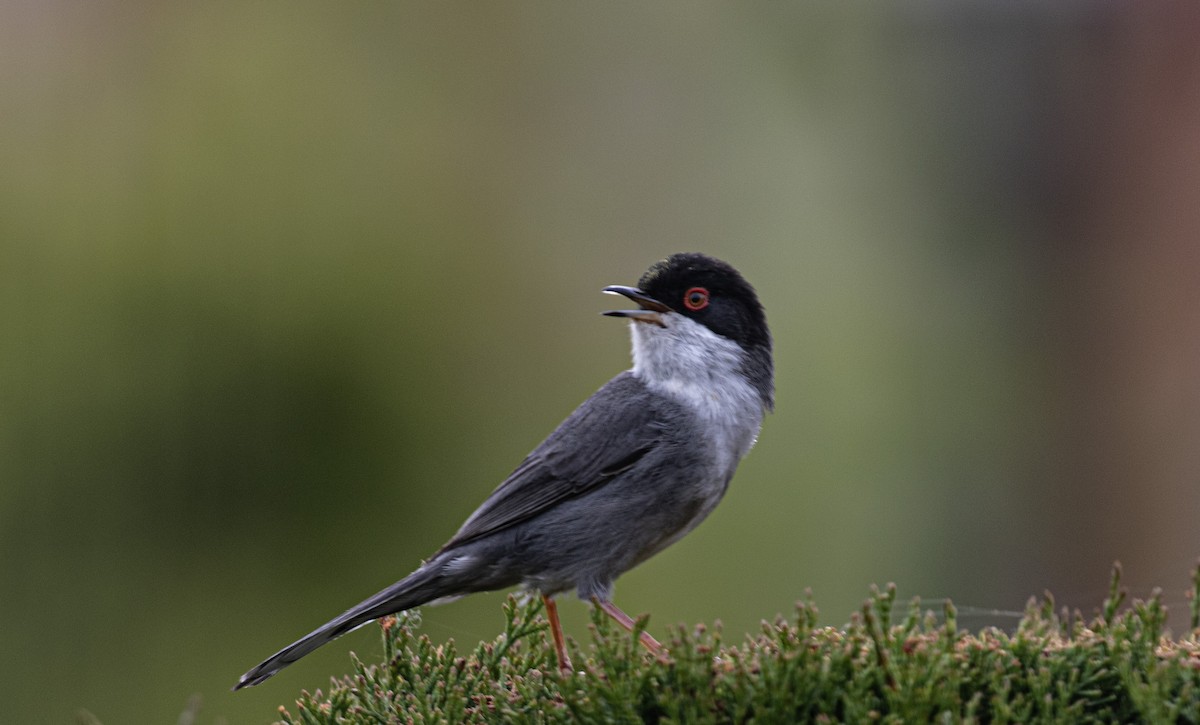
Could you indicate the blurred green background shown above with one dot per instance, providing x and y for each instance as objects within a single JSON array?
[{"x": 287, "y": 288}]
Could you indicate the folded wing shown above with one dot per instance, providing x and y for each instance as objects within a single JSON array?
[{"x": 607, "y": 435}]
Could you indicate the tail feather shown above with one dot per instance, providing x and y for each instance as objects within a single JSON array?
[{"x": 420, "y": 587}]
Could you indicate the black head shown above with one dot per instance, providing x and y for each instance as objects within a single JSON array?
[
  {"x": 713, "y": 294},
  {"x": 710, "y": 292}
]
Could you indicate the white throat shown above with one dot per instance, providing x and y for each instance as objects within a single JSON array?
[{"x": 703, "y": 371}]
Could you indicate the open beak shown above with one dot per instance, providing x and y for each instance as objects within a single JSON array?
[{"x": 651, "y": 309}]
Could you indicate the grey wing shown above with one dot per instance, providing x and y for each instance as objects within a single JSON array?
[{"x": 606, "y": 435}]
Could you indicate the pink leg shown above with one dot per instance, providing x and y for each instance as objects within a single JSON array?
[
  {"x": 627, "y": 622},
  {"x": 560, "y": 647}
]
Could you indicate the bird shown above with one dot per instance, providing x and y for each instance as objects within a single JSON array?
[{"x": 631, "y": 471}]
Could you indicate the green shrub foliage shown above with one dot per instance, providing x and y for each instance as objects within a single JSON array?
[{"x": 884, "y": 666}]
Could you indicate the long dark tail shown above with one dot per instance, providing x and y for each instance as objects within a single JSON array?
[{"x": 422, "y": 586}]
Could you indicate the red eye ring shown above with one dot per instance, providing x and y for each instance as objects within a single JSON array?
[{"x": 695, "y": 299}]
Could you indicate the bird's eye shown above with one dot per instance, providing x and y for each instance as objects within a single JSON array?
[{"x": 695, "y": 299}]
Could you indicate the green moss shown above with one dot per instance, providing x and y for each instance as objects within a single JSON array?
[{"x": 1121, "y": 667}]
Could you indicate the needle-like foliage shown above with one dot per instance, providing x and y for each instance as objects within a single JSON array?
[
  {"x": 918, "y": 667},
  {"x": 1122, "y": 666}
]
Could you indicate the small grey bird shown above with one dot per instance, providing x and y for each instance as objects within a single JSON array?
[{"x": 632, "y": 470}]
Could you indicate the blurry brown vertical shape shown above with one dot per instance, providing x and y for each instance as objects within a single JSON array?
[{"x": 1127, "y": 278}]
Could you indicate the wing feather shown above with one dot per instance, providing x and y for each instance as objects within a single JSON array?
[{"x": 605, "y": 436}]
